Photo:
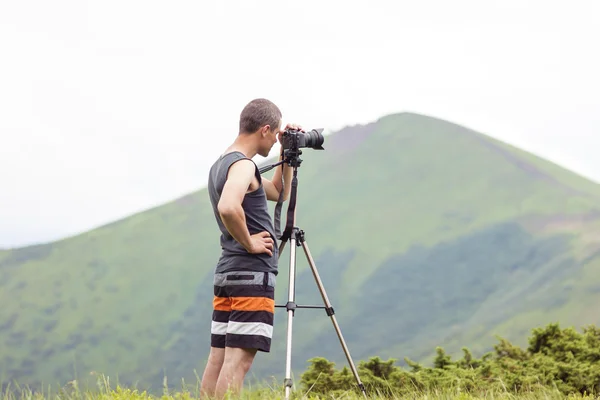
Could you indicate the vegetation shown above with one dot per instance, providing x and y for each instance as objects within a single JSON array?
[
  {"x": 425, "y": 233},
  {"x": 557, "y": 363},
  {"x": 561, "y": 360}
]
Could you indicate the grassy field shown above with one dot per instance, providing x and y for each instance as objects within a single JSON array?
[{"x": 106, "y": 392}]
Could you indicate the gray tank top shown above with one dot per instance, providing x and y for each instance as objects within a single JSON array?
[{"x": 234, "y": 256}]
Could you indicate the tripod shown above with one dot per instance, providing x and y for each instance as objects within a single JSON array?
[{"x": 295, "y": 236}]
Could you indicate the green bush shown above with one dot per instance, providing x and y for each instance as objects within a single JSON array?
[{"x": 557, "y": 359}]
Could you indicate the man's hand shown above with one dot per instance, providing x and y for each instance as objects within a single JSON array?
[
  {"x": 273, "y": 185},
  {"x": 261, "y": 243},
  {"x": 288, "y": 126}
]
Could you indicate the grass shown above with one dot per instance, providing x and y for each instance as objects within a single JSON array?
[{"x": 106, "y": 390}]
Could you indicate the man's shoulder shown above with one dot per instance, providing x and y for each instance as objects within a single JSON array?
[
  {"x": 232, "y": 160},
  {"x": 242, "y": 166}
]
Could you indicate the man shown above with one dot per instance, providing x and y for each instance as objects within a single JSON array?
[{"x": 244, "y": 281}]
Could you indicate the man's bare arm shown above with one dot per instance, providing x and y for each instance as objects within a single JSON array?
[
  {"x": 230, "y": 208},
  {"x": 273, "y": 186},
  {"x": 232, "y": 214}
]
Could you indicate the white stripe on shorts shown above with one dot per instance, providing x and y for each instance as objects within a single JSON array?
[
  {"x": 250, "y": 328},
  {"x": 218, "y": 328}
]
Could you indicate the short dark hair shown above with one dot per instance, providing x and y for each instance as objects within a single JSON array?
[{"x": 257, "y": 113}]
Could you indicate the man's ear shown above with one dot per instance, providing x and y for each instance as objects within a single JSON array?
[{"x": 265, "y": 130}]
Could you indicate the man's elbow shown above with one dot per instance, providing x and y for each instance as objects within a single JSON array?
[
  {"x": 226, "y": 209},
  {"x": 285, "y": 197}
]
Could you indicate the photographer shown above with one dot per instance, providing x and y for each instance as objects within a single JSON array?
[{"x": 244, "y": 279}]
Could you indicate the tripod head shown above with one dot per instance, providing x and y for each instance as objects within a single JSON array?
[
  {"x": 290, "y": 157},
  {"x": 292, "y": 141}
]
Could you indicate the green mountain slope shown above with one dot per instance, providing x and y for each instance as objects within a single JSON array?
[{"x": 425, "y": 233}]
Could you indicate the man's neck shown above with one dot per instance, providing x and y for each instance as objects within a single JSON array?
[{"x": 244, "y": 145}]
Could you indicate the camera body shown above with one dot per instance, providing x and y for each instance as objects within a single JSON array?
[{"x": 293, "y": 139}]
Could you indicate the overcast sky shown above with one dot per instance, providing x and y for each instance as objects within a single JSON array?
[{"x": 109, "y": 107}]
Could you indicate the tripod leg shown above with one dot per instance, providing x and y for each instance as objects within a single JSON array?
[
  {"x": 290, "y": 306},
  {"x": 281, "y": 247},
  {"x": 330, "y": 312}
]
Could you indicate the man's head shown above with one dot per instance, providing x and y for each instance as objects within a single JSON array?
[{"x": 261, "y": 119}]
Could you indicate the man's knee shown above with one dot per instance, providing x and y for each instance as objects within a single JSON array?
[
  {"x": 216, "y": 356},
  {"x": 240, "y": 358}
]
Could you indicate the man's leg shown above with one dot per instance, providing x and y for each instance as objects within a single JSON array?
[
  {"x": 211, "y": 372},
  {"x": 250, "y": 326},
  {"x": 236, "y": 365},
  {"x": 220, "y": 318}
]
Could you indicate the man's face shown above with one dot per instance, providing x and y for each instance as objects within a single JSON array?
[
  {"x": 276, "y": 132},
  {"x": 269, "y": 139}
]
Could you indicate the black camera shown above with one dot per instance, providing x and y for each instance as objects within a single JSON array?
[{"x": 293, "y": 139}]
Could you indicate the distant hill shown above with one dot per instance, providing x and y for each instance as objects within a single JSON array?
[{"x": 425, "y": 233}]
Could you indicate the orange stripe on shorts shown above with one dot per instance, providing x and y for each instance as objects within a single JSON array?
[
  {"x": 221, "y": 303},
  {"x": 253, "y": 304}
]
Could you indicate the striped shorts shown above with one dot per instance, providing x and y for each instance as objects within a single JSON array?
[{"x": 243, "y": 310}]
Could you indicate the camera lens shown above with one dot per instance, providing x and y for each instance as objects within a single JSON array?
[{"x": 314, "y": 139}]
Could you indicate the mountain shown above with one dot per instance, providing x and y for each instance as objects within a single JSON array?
[{"x": 424, "y": 232}]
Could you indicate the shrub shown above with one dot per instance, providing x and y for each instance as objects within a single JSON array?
[{"x": 559, "y": 359}]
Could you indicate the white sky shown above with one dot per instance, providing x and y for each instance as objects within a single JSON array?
[{"x": 109, "y": 107}]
